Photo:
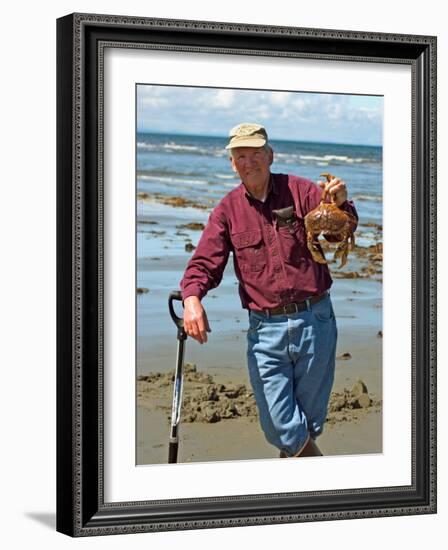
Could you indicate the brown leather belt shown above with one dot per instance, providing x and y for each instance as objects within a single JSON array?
[{"x": 295, "y": 306}]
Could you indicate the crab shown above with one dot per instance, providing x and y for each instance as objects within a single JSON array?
[{"x": 331, "y": 221}]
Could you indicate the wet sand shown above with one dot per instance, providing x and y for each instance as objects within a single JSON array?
[
  {"x": 164, "y": 231},
  {"x": 228, "y": 428}
]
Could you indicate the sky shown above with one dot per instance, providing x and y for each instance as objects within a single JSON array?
[{"x": 295, "y": 116}]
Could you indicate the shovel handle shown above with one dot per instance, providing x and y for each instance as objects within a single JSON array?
[
  {"x": 178, "y": 321},
  {"x": 175, "y": 295}
]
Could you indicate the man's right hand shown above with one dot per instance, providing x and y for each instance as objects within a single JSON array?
[{"x": 195, "y": 319}]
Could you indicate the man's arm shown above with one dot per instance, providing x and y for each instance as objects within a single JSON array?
[{"x": 204, "y": 271}]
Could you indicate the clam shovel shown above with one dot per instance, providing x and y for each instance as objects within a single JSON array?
[{"x": 178, "y": 379}]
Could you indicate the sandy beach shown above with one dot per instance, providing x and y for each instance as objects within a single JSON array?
[
  {"x": 237, "y": 435},
  {"x": 223, "y": 429}
]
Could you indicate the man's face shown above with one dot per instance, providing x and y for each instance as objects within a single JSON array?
[{"x": 252, "y": 164}]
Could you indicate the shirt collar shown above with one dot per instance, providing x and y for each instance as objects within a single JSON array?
[{"x": 272, "y": 188}]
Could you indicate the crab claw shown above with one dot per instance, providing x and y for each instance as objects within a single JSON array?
[{"x": 316, "y": 252}]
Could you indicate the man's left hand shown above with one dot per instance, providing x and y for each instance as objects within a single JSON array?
[{"x": 337, "y": 189}]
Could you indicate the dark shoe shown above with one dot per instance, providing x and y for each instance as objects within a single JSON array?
[{"x": 310, "y": 449}]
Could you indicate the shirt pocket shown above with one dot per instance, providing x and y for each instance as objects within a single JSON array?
[
  {"x": 293, "y": 242},
  {"x": 250, "y": 250}
]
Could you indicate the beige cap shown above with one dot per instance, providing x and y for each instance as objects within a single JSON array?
[{"x": 247, "y": 135}]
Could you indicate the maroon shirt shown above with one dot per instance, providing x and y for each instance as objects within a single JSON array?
[{"x": 273, "y": 266}]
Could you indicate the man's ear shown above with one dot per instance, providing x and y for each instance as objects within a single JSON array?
[
  {"x": 271, "y": 156},
  {"x": 232, "y": 162}
]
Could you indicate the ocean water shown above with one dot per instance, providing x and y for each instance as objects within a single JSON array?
[{"x": 198, "y": 168}]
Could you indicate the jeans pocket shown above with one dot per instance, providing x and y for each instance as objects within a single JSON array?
[
  {"x": 323, "y": 310},
  {"x": 255, "y": 322}
]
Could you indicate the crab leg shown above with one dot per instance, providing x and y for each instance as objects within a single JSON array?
[
  {"x": 313, "y": 242},
  {"x": 342, "y": 252}
]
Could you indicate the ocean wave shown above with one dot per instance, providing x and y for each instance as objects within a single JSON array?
[
  {"x": 288, "y": 158},
  {"x": 146, "y": 177},
  {"x": 225, "y": 176},
  {"x": 144, "y": 145},
  {"x": 177, "y": 147},
  {"x": 334, "y": 158},
  {"x": 171, "y": 147},
  {"x": 372, "y": 198},
  {"x": 163, "y": 172},
  {"x": 341, "y": 159}
]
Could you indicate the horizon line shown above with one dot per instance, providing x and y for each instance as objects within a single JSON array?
[{"x": 271, "y": 139}]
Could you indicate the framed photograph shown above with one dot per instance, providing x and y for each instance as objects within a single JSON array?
[{"x": 222, "y": 187}]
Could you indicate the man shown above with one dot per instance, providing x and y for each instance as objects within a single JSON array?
[{"x": 292, "y": 328}]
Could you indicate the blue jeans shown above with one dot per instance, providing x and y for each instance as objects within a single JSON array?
[{"x": 291, "y": 361}]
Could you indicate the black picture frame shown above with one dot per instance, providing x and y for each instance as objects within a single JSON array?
[{"x": 81, "y": 509}]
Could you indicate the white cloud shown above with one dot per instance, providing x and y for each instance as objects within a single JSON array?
[
  {"x": 280, "y": 98},
  {"x": 148, "y": 102},
  {"x": 218, "y": 99},
  {"x": 300, "y": 105},
  {"x": 335, "y": 111},
  {"x": 290, "y": 115}
]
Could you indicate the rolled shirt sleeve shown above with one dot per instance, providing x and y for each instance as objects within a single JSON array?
[{"x": 205, "y": 268}]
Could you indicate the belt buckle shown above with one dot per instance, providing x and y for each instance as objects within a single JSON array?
[{"x": 287, "y": 308}]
